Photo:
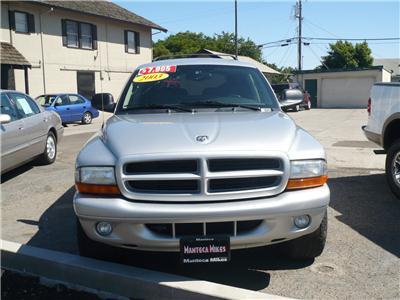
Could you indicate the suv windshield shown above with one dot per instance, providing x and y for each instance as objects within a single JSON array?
[{"x": 196, "y": 87}]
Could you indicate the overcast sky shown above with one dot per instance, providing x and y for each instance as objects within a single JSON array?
[{"x": 268, "y": 21}]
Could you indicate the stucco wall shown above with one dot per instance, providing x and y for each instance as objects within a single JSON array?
[
  {"x": 61, "y": 63},
  {"x": 348, "y": 89}
]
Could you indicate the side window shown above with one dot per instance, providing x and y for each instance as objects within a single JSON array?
[
  {"x": 33, "y": 105},
  {"x": 76, "y": 99},
  {"x": 7, "y": 108},
  {"x": 25, "y": 106},
  {"x": 132, "y": 41},
  {"x": 21, "y": 22},
  {"x": 62, "y": 100}
]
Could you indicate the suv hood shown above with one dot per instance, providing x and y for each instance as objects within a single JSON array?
[{"x": 179, "y": 132}]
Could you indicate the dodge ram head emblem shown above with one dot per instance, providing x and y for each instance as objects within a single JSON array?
[{"x": 202, "y": 138}]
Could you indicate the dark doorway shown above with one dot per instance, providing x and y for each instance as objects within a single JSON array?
[
  {"x": 7, "y": 77},
  {"x": 86, "y": 85},
  {"x": 310, "y": 85}
]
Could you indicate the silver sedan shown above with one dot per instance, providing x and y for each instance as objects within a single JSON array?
[{"x": 26, "y": 131}]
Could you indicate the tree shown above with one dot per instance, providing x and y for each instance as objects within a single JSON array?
[
  {"x": 191, "y": 42},
  {"x": 363, "y": 55},
  {"x": 343, "y": 55}
]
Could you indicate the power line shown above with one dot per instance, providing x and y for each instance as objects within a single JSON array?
[
  {"x": 328, "y": 39},
  {"x": 356, "y": 39},
  {"x": 320, "y": 28},
  {"x": 319, "y": 58}
]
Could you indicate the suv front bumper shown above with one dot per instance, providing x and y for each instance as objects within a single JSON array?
[{"x": 128, "y": 218}]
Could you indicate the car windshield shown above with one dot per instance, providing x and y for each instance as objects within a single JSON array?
[
  {"x": 182, "y": 88},
  {"x": 46, "y": 100}
]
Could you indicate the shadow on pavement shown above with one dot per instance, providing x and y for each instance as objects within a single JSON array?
[
  {"x": 367, "y": 205},
  {"x": 17, "y": 171},
  {"x": 57, "y": 226}
]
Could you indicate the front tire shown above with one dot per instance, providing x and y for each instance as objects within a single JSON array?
[
  {"x": 93, "y": 249},
  {"x": 87, "y": 118},
  {"x": 308, "y": 246},
  {"x": 393, "y": 168},
  {"x": 50, "y": 151}
]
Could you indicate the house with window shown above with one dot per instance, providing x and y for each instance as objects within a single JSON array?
[{"x": 83, "y": 47}]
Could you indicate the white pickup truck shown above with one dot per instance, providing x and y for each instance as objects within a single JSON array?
[{"x": 384, "y": 127}]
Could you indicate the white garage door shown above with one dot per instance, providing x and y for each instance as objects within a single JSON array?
[{"x": 346, "y": 92}]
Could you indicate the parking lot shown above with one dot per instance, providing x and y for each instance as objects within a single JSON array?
[{"x": 361, "y": 258}]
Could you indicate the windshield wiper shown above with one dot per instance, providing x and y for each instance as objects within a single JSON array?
[
  {"x": 210, "y": 103},
  {"x": 158, "y": 106}
]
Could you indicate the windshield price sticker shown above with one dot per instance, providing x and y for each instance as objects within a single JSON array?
[
  {"x": 151, "y": 77},
  {"x": 157, "y": 69},
  {"x": 208, "y": 249}
]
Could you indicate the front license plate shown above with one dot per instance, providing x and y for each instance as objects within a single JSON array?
[{"x": 205, "y": 249}]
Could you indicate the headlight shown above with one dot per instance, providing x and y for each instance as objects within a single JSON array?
[
  {"x": 96, "y": 180},
  {"x": 307, "y": 173}
]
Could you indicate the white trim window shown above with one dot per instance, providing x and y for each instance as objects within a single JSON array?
[{"x": 132, "y": 42}]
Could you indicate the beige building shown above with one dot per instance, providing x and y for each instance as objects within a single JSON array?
[
  {"x": 390, "y": 64},
  {"x": 83, "y": 47},
  {"x": 342, "y": 88}
]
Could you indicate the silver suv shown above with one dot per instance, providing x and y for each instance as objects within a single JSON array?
[{"x": 199, "y": 158}]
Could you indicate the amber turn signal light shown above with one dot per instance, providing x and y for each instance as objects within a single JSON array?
[
  {"x": 97, "y": 189},
  {"x": 303, "y": 183}
]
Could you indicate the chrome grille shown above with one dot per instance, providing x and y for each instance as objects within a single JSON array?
[
  {"x": 241, "y": 164},
  {"x": 212, "y": 177},
  {"x": 241, "y": 184},
  {"x": 177, "y": 230}
]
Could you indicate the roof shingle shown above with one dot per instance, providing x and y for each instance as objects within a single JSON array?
[
  {"x": 11, "y": 56},
  {"x": 102, "y": 8}
]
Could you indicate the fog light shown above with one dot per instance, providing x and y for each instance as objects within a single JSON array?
[
  {"x": 302, "y": 221},
  {"x": 104, "y": 228}
]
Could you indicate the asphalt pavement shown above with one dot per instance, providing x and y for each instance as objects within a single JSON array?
[{"x": 361, "y": 258}]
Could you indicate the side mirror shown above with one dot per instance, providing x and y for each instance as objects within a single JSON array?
[
  {"x": 4, "y": 119},
  {"x": 104, "y": 102}
]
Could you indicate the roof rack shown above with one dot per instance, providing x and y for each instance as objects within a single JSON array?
[{"x": 194, "y": 55}]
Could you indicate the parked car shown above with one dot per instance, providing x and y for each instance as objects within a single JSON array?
[
  {"x": 70, "y": 107},
  {"x": 198, "y": 158},
  {"x": 27, "y": 131},
  {"x": 291, "y": 92},
  {"x": 383, "y": 128}
]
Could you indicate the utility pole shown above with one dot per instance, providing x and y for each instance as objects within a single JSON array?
[
  {"x": 299, "y": 42},
  {"x": 236, "y": 32}
]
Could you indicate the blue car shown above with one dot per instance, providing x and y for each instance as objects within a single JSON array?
[{"x": 70, "y": 107}]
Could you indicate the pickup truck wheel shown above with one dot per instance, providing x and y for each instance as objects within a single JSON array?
[
  {"x": 50, "y": 150},
  {"x": 93, "y": 249},
  {"x": 393, "y": 168},
  {"x": 308, "y": 246}
]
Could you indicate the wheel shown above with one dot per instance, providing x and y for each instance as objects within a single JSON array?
[
  {"x": 308, "y": 246},
  {"x": 87, "y": 118},
  {"x": 93, "y": 249},
  {"x": 393, "y": 168},
  {"x": 50, "y": 151}
]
